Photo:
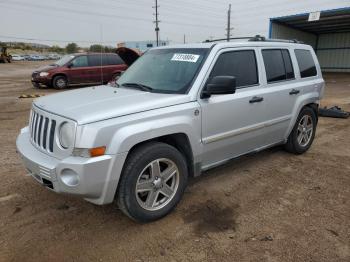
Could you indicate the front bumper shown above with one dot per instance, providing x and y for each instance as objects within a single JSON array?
[
  {"x": 90, "y": 178},
  {"x": 40, "y": 80}
]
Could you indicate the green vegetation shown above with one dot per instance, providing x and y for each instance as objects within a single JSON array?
[{"x": 72, "y": 48}]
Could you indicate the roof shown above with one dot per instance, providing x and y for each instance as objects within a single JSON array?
[{"x": 331, "y": 21}]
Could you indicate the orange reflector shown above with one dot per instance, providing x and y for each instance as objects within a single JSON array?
[{"x": 97, "y": 151}]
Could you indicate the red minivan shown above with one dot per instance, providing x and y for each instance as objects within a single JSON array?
[{"x": 80, "y": 69}]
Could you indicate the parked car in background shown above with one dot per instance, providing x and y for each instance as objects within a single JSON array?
[
  {"x": 18, "y": 58},
  {"x": 33, "y": 58},
  {"x": 53, "y": 57},
  {"x": 26, "y": 57},
  {"x": 176, "y": 112},
  {"x": 80, "y": 69}
]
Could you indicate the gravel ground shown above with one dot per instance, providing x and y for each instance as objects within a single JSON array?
[{"x": 271, "y": 206}]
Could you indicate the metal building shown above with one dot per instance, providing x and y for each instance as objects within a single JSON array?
[
  {"x": 142, "y": 45},
  {"x": 324, "y": 24},
  {"x": 328, "y": 31}
]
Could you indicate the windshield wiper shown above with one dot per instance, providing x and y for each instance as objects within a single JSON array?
[{"x": 138, "y": 86}]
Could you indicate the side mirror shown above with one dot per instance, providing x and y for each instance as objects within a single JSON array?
[
  {"x": 69, "y": 65},
  {"x": 219, "y": 85}
]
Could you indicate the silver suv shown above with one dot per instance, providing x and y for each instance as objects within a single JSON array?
[{"x": 176, "y": 112}]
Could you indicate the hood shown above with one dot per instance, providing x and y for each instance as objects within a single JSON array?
[
  {"x": 87, "y": 105},
  {"x": 45, "y": 68}
]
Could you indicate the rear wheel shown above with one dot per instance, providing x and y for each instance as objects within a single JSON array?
[
  {"x": 303, "y": 133},
  {"x": 153, "y": 182},
  {"x": 60, "y": 82}
]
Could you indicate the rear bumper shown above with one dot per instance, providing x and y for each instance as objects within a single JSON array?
[{"x": 90, "y": 178}]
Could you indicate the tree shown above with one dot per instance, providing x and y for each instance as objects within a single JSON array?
[
  {"x": 72, "y": 48},
  {"x": 56, "y": 49},
  {"x": 96, "y": 48}
]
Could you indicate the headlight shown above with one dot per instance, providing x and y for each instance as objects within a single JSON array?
[
  {"x": 66, "y": 135},
  {"x": 44, "y": 74}
]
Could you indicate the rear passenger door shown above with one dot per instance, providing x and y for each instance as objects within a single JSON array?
[
  {"x": 95, "y": 68},
  {"x": 112, "y": 64},
  {"x": 282, "y": 90},
  {"x": 233, "y": 124}
]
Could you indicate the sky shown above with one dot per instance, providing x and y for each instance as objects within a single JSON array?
[{"x": 111, "y": 21}]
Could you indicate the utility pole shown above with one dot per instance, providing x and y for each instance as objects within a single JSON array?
[
  {"x": 184, "y": 39},
  {"x": 228, "y": 29},
  {"x": 157, "y": 22}
]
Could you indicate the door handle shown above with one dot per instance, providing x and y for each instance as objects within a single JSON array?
[
  {"x": 256, "y": 99},
  {"x": 294, "y": 92}
]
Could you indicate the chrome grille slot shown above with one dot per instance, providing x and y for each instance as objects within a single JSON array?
[
  {"x": 42, "y": 131},
  {"x": 45, "y": 132},
  {"x": 52, "y": 135},
  {"x": 39, "y": 130}
]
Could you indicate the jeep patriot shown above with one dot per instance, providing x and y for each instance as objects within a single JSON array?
[{"x": 176, "y": 112}]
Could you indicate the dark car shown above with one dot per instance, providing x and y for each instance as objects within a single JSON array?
[{"x": 80, "y": 69}]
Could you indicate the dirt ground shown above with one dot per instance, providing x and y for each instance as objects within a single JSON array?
[{"x": 271, "y": 206}]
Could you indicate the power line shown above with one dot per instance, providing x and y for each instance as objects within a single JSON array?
[
  {"x": 170, "y": 12},
  {"x": 62, "y": 9}
]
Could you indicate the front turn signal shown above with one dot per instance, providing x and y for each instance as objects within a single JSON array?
[{"x": 97, "y": 151}]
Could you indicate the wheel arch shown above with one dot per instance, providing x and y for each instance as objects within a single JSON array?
[
  {"x": 178, "y": 140},
  {"x": 311, "y": 103},
  {"x": 59, "y": 74}
]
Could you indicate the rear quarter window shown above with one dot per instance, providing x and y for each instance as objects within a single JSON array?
[
  {"x": 306, "y": 63},
  {"x": 115, "y": 60}
]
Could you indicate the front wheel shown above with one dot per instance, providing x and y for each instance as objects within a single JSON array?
[
  {"x": 153, "y": 182},
  {"x": 303, "y": 133},
  {"x": 60, "y": 82}
]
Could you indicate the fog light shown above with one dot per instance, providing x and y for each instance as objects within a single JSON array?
[{"x": 69, "y": 177}]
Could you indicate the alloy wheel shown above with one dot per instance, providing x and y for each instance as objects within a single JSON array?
[{"x": 157, "y": 184}]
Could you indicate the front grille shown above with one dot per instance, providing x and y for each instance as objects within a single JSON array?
[
  {"x": 42, "y": 131},
  {"x": 35, "y": 74}
]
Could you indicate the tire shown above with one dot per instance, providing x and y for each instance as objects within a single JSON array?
[
  {"x": 149, "y": 203},
  {"x": 60, "y": 82},
  {"x": 115, "y": 76},
  {"x": 303, "y": 133}
]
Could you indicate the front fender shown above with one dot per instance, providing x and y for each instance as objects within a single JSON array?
[{"x": 128, "y": 136}]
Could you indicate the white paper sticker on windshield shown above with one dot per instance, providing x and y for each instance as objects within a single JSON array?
[{"x": 185, "y": 58}]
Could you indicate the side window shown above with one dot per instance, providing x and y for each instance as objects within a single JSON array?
[
  {"x": 306, "y": 63},
  {"x": 115, "y": 60},
  {"x": 278, "y": 65},
  {"x": 80, "y": 61},
  {"x": 105, "y": 60},
  {"x": 94, "y": 60},
  {"x": 240, "y": 64}
]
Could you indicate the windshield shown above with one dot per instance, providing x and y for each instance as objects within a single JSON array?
[
  {"x": 64, "y": 60},
  {"x": 165, "y": 70}
]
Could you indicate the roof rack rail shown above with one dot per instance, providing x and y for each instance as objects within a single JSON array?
[
  {"x": 255, "y": 39},
  {"x": 263, "y": 39},
  {"x": 225, "y": 39}
]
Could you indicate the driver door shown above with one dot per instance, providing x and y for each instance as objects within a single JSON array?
[
  {"x": 78, "y": 72},
  {"x": 233, "y": 124}
]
